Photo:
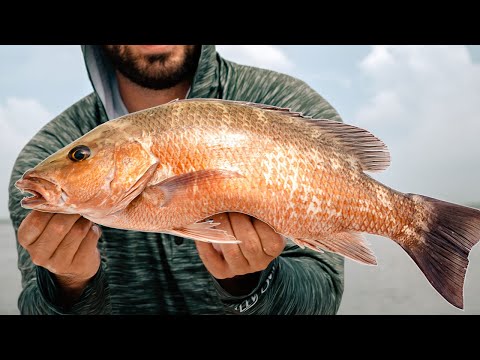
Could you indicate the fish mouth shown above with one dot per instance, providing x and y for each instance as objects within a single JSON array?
[
  {"x": 34, "y": 200},
  {"x": 43, "y": 192}
]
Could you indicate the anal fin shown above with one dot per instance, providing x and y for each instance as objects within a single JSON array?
[
  {"x": 349, "y": 244},
  {"x": 307, "y": 243}
]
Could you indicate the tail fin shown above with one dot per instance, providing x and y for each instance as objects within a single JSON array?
[{"x": 442, "y": 250}]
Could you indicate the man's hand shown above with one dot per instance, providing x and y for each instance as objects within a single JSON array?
[
  {"x": 260, "y": 244},
  {"x": 64, "y": 244}
]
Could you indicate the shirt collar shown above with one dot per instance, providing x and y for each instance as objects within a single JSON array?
[{"x": 205, "y": 83}]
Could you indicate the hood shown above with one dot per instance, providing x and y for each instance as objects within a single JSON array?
[{"x": 102, "y": 77}]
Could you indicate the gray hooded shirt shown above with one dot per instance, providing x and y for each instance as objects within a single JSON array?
[{"x": 152, "y": 273}]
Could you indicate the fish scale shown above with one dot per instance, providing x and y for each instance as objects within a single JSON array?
[{"x": 335, "y": 195}]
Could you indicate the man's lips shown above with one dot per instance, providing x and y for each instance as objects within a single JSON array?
[{"x": 153, "y": 49}]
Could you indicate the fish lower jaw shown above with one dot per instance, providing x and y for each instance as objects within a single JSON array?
[
  {"x": 48, "y": 202},
  {"x": 30, "y": 202}
]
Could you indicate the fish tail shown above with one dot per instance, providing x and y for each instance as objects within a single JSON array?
[{"x": 441, "y": 244}]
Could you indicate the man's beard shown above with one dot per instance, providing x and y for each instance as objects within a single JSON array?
[{"x": 157, "y": 71}]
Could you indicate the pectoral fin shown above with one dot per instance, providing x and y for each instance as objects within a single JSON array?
[{"x": 177, "y": 187}]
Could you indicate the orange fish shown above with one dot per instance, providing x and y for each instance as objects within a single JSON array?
[{"x": 166, "y": 168}]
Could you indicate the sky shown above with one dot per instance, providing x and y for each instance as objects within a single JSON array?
[{"x": 422, "y": 101}]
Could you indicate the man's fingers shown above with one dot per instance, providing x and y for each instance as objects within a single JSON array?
[
  {"x": 225, "y": 225},
  {"x": 211, "y": 258},
  {"x": 231, "y": 252},
  {"x": 272, "y": 242},
  {"x": 259, "y": 245},
  {"x": 32, "y": 226},
  {"x": 224, "y": 222},
  {"x": 250, "y": 244},
  {"x": 54, "y": 233},
  {"x": 58, "y": 226},
  {"x": 88, "y": 247},
  {"x": 66, "y": 250}
]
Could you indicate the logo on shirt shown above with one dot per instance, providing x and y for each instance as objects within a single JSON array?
[{"x": 252, "y": 300}]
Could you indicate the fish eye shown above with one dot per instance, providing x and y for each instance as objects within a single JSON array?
[{"x": 79, "y": 153}]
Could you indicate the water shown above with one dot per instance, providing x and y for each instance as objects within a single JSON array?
[
  {"x": 10, "y": 285},
  {"x": 395, "y": 286}
]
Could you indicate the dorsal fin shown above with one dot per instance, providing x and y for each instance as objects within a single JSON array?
[
  {"x": 287, "y": 111},
  {"x": 371, "y": 153}
]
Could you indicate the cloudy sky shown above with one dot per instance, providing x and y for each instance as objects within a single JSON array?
[{"x": 423, "y": 101}]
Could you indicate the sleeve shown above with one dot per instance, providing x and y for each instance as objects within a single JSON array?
[
  {"x": 299, "y": 281},
  {"x": 40, "y": 294}
]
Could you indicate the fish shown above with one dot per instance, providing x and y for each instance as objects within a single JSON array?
[{"x": 168, "y": 168}]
